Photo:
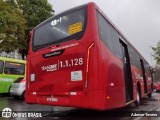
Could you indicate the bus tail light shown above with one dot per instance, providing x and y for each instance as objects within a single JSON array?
[
  {"x": 88, "y": 57},
  {"x": 23, "y": 80}
]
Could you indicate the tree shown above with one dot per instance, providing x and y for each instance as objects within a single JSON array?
[
  {"x": 34, "y": 11},
  {"x": 157, "y": 52},
  {"x": 12, "y": 27},
  {"x": 17, "y": 18},
  {"x": 157, "y": 73}
]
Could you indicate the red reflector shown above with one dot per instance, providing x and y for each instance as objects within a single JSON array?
[
  {"x": 79, "y": 93},
  {"x": 23, "y": 80}
]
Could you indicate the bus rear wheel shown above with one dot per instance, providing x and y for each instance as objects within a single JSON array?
[
  {"x": 150, "y": 95},
  {"x": 22, "y": 96},
  {"x": 138, "y": 98}
]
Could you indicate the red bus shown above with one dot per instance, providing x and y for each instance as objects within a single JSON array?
[{"x": 80, "y": 59}]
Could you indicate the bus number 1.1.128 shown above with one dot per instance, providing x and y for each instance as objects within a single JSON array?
[{"x": 71, "y": 62}]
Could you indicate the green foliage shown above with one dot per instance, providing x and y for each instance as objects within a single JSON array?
[
  {"x": 17, "y": 18},
  {"x": 12, "y": 27},
  {"x": 157, "y": 52},
  {"x": 157, "y": 73},
  {"x": 35, "y": 11}
]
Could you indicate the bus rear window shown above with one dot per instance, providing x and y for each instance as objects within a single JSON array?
[
  {"x": 61, "y": 28},
  {"x": 14, "y": 68},
  {"x": 1, "y": 66}
]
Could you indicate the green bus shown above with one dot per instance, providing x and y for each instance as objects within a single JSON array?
[{"x": 10, "y": 70}]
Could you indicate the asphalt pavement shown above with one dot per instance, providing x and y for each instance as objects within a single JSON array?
[{"x": 149, "y": 106}]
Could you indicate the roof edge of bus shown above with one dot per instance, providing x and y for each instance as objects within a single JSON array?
[
  {"x": 12, "y": 59},
  {"x": 119, "y": 31}
]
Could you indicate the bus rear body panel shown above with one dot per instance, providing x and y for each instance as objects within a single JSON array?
[
  {"x": 68, "y": 73},
  {"x": 69, "y": 79}
]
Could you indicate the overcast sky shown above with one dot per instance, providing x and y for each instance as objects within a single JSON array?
[{"x": 138, "y": 20}]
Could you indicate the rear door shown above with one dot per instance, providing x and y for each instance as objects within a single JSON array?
[
  {"x": 144, "y": 75},
  {"x": 127, "y": 72}
]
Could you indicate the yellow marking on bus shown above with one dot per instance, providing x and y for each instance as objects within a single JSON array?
[
  {"x": 129, "y": 102},
  {"x": 75, "y": 28},
  {"x": 87, "y": 68},
  {"x": 15, "y": 64},
  {"x": 145, "y": 94}
]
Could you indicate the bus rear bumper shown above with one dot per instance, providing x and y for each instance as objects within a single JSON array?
[{"x": 86, "y": 99}]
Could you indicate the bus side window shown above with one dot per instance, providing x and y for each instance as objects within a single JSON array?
[
  {"x": 109, "y": 35},
  {"x": 7, "y": 71},
  {"x": 1, "y": 66},
  {"x": 116, "y": 49},
  {"x": 132, "y": 55},
  {"x": 14, "y": 68},
  {"x": 104, "y": 30}
]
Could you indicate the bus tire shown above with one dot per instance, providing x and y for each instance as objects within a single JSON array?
[
  {"x": 150, "y": 95},
  {"x": 16, "y": 97},
  {"x": 138, "y": 98},
  {"x": 23, "y": 95},
  {"x": 9, "y": 90}
]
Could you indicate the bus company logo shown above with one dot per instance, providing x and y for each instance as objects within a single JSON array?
[
  {"x": 52, "y": 54},
  {"x": 6, "y": 79},
  {"x": 49, "y": 68},
  {"x": 6, "y": 113},
  {"x": 65, "y": 47},
  {"x": 52, "y": 99}
]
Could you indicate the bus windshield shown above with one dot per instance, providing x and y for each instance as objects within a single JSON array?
[{"x": 67, "y": 26}]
